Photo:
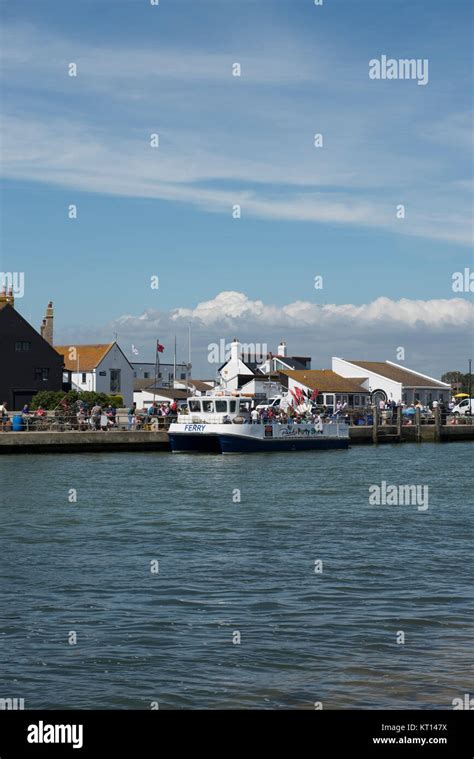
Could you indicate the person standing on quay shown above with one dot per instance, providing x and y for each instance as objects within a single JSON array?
[{"x": 132, "y": 416}]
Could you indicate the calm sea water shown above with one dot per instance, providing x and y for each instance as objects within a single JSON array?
[{"x": 228, "y": 567}]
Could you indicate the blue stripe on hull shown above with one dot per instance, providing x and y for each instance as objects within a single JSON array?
[
  {"x": 194, "y": 443},
  {"x": 233, "y": 444}
]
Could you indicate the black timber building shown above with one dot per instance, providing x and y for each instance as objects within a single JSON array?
[{"x": 28, "y": 361}]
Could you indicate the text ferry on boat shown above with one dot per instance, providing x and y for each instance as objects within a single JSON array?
[{"x": 225, "y": 422}]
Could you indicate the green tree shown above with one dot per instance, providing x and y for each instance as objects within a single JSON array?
[
  {"x": 47, "y": 399},
  {"x": 460, "y": 380}
]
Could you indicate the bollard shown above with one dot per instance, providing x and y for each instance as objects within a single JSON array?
[
  {"x": 418, "y": 424},
  {"x": 375, "y": 424},
  {"x": 437, "y": 419}
]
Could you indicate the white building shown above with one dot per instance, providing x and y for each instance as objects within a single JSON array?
[
  {"x": 241, "y": 369},
  {"x": 281, "y": 362},
  {"x": 145, "y": 396},
  {"x": 389, "y": 381},
  {"x": 101, "y": 368},
  {"x": 330, "y": 387},
  {"x": 165, "y": 373}
]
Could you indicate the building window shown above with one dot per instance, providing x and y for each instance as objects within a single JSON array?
[
  {"x": 356, "y": 401},
  {"x": 42, "y": 374},
  {"x": 84, "y": 378},
  {"x": 102, "y": 374},
  {"x": 146, "y": 375},
  {"x": 21, "y": 346},
  {"x": 115, "y": 381},
  {"x": 135, "y": 375},
  {"x": 182, "y": 376}
]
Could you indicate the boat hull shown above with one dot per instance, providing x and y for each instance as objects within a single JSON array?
[
  {"x": 249, "y": 438},
  {"x": 180, "y": 443},
  {"x": 236, "y": 444}
]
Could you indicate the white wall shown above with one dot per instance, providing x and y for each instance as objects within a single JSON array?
[
  {"x": 262, "y": 387},
  {"x": 392, "y": 389},
  {"x": 115, "y": 360},
  {"x": 144, "y": 399},
  {"x": 89, "y": 384},
  {"x": 230, "y": 372}
]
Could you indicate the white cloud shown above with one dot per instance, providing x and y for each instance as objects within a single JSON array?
[
  {"x": 371, "y": 331},
  {"x": 234, "y": 307}
]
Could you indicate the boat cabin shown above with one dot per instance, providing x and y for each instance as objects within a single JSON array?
[{"x": 216, "y": 409}]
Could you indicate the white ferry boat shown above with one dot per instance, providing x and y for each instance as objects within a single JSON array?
[{"x": 222, "y": 424}]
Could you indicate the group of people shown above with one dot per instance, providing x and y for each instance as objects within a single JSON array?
[
  {"x": 27, "y": 415},
  {"x": 287, "y": 416},
  {"x": 152, "y": 413},
  {"x": 97, "y": 419}
]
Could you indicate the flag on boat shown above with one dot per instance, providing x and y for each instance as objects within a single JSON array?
[
  {"x": 294, "y": 396},
  {"x": 299, "y": 395},
  {"x": 134, "y": 350},
  {"x": 314, "y": 395},
  {"x": 159, "y": 347}
]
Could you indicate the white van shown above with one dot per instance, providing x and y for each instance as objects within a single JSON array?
[
  {"x": 464, "y": 407},
  {"x": 273, "y": 403}
]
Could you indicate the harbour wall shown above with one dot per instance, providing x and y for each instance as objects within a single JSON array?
[{"x": 137, "y": 440}]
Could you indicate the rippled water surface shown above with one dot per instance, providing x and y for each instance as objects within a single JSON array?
[{"x": 228, "y": 567}]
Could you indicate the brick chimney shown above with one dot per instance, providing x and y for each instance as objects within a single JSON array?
[
  {"x": 7, "y": 297},
  {"x": 46, "y": 329},
  {"x": 282, "y": 348}
]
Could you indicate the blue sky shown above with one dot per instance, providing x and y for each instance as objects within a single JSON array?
[{"x": 225, "y": 140}]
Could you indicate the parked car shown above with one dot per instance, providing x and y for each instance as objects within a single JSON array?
[
  {"x": 464, "y": 408},
  {"x": 273, "y": 403}
]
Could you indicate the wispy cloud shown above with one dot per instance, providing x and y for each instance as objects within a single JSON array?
[{"x": 267, "y": 164}]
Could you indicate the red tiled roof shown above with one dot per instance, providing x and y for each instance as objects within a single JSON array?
[{"x": 87, "y": 356}]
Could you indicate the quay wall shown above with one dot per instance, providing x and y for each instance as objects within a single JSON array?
[
  {"x": 82, "y": 442},
  {"x": 137, "y": 440}
]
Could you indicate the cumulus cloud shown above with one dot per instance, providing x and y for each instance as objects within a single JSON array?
[
  {"x": 233, "y": 307},
  {"x": 371, "y": 331}
]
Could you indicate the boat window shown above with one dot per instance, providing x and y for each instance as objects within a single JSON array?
[
  {"x": 221, "y": 407},
  {"x": 194, "y": 406},
  {"x": 232, "y": 405},
  {"x": 208, "y": 406},
  {"x": 245, "y": 405}
]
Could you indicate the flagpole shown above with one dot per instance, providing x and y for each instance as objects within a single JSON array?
[
  {"x": 174, "y": 363},
  {"x": 189, "y": 360},
  {"x": 157, "y": 360}
]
